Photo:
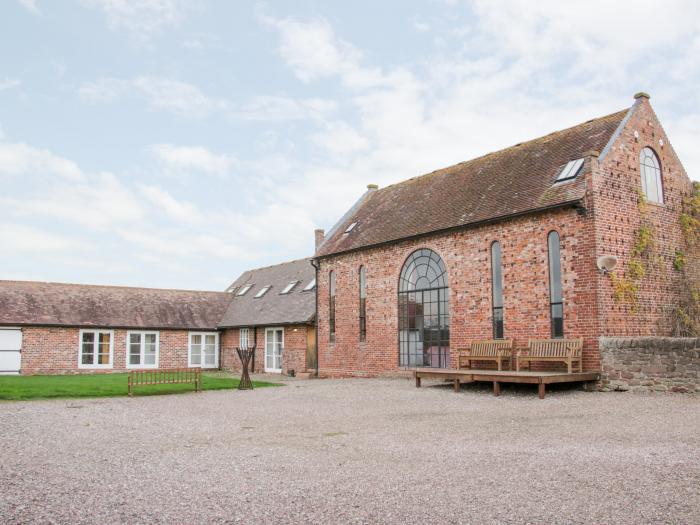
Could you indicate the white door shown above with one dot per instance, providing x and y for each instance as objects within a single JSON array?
[
  {"x": 274, "y": 343},
  {"x": 10, "y": 350},
  {"x": 203, "y": 352}
]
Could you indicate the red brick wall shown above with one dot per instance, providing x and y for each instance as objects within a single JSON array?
[
  {"x": 618, "y": 217},
  {"x": 55, "y": 350},
  {"x": 607, "y": 226},
  {"x": 293, "y": 356},
  {"x": 466, "y": 255}
]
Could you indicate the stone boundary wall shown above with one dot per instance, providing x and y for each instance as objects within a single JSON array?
[{"x": 650, "y": 363}]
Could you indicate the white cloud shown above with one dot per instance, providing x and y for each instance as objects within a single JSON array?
[
  {"x": 17, "y": 238},
  {"x": 21, "y": 159},
  {"x": 184, "y": 212},
  {"x": 339, "y": 139},
  {"x": 104, "y": 90},
  {"x": 312, "y": 49},
  {"x": 273, "y": 108},
  {"x": 164, "y": 94},
  {"x": 185, "y": 159},
  {"x": 9, "y": 83},
  {"x": 178, "y": 97},
  {"x": 30, "y": 5},
  {"x": 108, "y": 226},
  {"x": 141, "y": 18},
  {"x": 494, "y": 83}
]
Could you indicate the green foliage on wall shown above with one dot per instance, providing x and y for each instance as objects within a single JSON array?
[{"x": 686, "y": 317}]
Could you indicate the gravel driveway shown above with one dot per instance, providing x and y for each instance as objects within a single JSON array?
[{"x": 353, "y": 451}]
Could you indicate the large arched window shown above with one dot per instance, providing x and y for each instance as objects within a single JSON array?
[
  {"x": 424, "y": 316},
  {"x": 556, "y": 297},
  {"x": 650, "y": 170}
]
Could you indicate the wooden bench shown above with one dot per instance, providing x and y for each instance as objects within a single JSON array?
[
  {"x": 567, "y": 351},
  {"x": 168, "y": 376},
  {"x": 499, "y": 350}
]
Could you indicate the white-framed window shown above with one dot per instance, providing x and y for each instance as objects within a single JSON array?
[
  {"x": 311, "y": 285},
  {"x": 96, "y": 349},
  {"x": 243, "y": 338},
  {"x": 262, "y": 291},
  {"x": 142, "y": 349},
  {"x": 244, "y": 289},
  {"x": 289, "y": 287},
  {"x": 650, "y": 170},
  {"x": 203, "y": 350},
  {"x": 571, "y": 170}
]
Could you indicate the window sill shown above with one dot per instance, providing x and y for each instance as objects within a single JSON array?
[
  {"x": 141, "y": 367},
  {"x": 95, "y": 367}
]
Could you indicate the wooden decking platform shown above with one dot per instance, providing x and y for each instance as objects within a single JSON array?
[{"x": 541, "y": 379}]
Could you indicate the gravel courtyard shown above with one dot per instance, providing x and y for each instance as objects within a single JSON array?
[{"x": 353, "y": 451}]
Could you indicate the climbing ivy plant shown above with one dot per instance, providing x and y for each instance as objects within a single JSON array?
[{"x": 685, "y": 316}]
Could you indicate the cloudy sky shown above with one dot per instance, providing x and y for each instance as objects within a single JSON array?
[{"x": 175, "y": 143}]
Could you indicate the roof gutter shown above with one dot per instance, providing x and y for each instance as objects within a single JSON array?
[
  {"x": 285, "y": 323},
  {"x": 108, "y": 326},
  {"x": 576, "y": 203}
]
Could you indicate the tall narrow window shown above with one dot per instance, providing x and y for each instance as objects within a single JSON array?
[
  {"x": 243, "y": 338},
  {"x": 363, "y": 303},
  {"x": 650, "y": 170},
  {"x": 497, "y": 290},
  {"x": 556, "y": 300},
  {"x": 331, "y": 306}
]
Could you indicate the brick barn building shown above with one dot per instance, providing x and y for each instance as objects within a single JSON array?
[
  {"x": 70, "y": 328},
  {"x": 274, "y": 310},
  {"x": 507, "y": 246},
  {"x": 54, "y": 328}
]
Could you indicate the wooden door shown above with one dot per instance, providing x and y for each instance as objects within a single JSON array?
[{"x": 311, "y": 347}]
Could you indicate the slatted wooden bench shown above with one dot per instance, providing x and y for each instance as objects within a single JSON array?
[
  {"x": 168, "y": 376},
  {"x": 567, "y": 351},
  {"x": 498, "y": 351}
]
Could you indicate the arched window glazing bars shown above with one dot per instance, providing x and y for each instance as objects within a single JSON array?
[
  {"x": 424, "y": 317},
  {"x": 497, "y": 291},
  {"x": 556, "y": 298},
  {"x": 363, "y": 303},
  {"x": 650, "y": 171}
]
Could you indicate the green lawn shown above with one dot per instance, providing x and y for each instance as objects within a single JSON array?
[{"x": 101, "y": 385}]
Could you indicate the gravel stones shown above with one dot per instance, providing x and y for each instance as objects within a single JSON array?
[{"x": 353, "y": 451}]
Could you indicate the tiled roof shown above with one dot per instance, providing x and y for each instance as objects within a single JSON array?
[
  {"x": 273, "y": 308},
  {"x": 509, "y": 182},
  {"x": 57, "y": 304}
]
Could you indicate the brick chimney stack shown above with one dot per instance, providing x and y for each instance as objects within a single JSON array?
[{"x": 319, "y": 236}]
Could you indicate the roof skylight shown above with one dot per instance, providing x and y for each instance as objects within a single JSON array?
[
  {"x": 570, "y": 170},
  {"x": 244, "y": 290},
  {"x": 351, "y": 227},
  {"x": 289, "y": 287},
  {"x": 310, "y": 286},
  {"x": 262, "y": 291},
  {"x": 232, "y": 288}
]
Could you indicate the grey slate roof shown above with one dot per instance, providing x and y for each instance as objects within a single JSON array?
[
  {"x": 56, "y": 304},
  {"x": 272, "y": 308}
]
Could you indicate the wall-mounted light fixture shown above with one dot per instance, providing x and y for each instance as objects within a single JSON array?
[{"x": 606, "y": 263}]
